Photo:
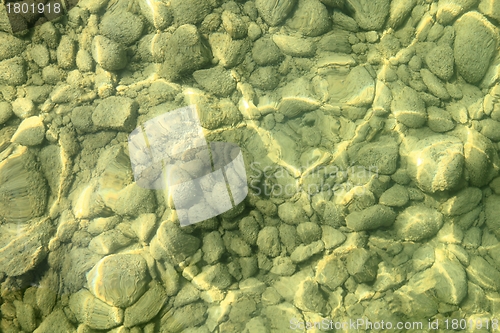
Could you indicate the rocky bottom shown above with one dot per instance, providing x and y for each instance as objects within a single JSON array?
[{"x": 369, "y": 131}]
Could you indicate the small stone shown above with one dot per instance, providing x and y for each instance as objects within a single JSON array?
[
  {"x": 217, "y": 80},
  {"x": 399, "y": 12},
  {"x": 147, "y": 307},
  {"x": 109, "y": 242},
  {"x": 234, "y": 25},
  {"x": 448, "y": 10},
  {"x": 331, "y": 272},
  {"x": 295, "y": 46},
  {"x": 109, "y": 54},
  {"x": 52, "y": 74},
  {"x": 465, "y": 201},
  {"x": 492, "y": 213},
  {"x": 304, "y": 252},
  {"x": 274, "y": 13},
  {"x": 66, "y": 52},
  {"x": 26, "y": 316},
  {"x": 308, "y": 297},
  {"x": 332, "y": 237},
  {"x": 371, "y": 218},
  {"x": 265, "y": 78},
  {"x": 190, "y": 11},
  {"x": 291, "y": 213},
  {"x": 309, "y": 232},
  {"x": 268, "y": 241},
  {"x": 436, "y": 163},
  {"x": 396, "y": 196},
  {"x": 30, "y": 132},
  {"x": 370, "y": 14},
  {"x": 40, "y": 55},
  {"x": 439, "y": 120},
  {"x": 266, "y": 52},
  {"x": 475, "y": 44},
  {"x": 123, "y": 27},
  {"x": 435, "y": 86},
  {"x": 254, "y": 31},
  {"x": 229, "y": 52},
  {"x": 13, "y": 72},
  {"x": 5, "y": 112},
  {"x": 115, "y": 112},
  {"x": 490, "y": 8},
  {"x": 362, "y": 265},
  {"x": 380, "y": 157},
  {"x": 23, "y": 108},
  {"x": 344, "y": 22},
  {"x": 408, "y": 107},
  {"x": 11, "y": 46},
  {"x": 311, "y": 18},
  {"x": 283, "y": 266},
  {"x": 491, "y": 129},
  {"x": 417, "y": 223},
  {"x": 483, "y": 274},
  {"x": 213, "y": 276},
  {"x": 93, "y": 6},
  {"x": 440, "y": 61}
]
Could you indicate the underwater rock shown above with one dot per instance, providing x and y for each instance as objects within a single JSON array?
[
  {"x": 331, "y": 272},
  {"x": 185, "y": 52},
  {"x": 463, "y": 202},
  {"x": 122, "y": 27},
  {"x": 30, "y": 132},
  {"x": 440, "y": 61},
  {"x": 475, "y": 44},
  {"x": 119, "y": 279},
  {"x": 483, "y": 274},
  {"x": 492, "y": 213},
  {"x": 435, "y": 86},
  {"x": 418, "y": 222},
  {"x": 13, "y": 72},
  {"x": 295, "y": 46},
  {"x": 396, "y": 196},
  {"x": 268, "y": 241},
  {"x": 308, "y": 297},
  {"x": 265, "y": 78},
  {"x": 450, "y": 278},
  {"x": 310, "y": 18},
  {"x": 266, "y": 52},
  {"x": 189, "y": 11},
  {"x": 216, "y": 80},
  {"x": 234, "y": 25},
  {"x": 490, "y": 8},
  {"x": 23, "y": 191},
  {"x": 371, "y": 218},
  {"x": 6, "y": 111},
  {"x": 362, "y": 265},
  {"x": 448, "y": 10},
  {"x": 439, "y": 120},
  {"x": 171, "y": 242},
  {"x": 229, "y": 52},
  {"x": 146, "y": 307},
  {"x": 400, "y": 9},
  {"x": 109, "y": 241},
  {"x": 115, "y": 112},
  {"x": 109, "y": 54},
  {"x": 93, "y": 312},
  {"x": 481, "y": 158},
  {"x": 380, "y": 157},
  {"x": 276, "y": 11},
  {"x": 436, "y": 163},
  {"x": 369, "y": 14},
  {"x": 291, "y": 213},
  {"x": 11, "y": 46},
  {"x": 23, "y": 108},
  {"x": 22, "y": 247},
  {"x": 408, "y": 107}
]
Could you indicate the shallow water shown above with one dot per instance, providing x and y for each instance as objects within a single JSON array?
[{"x": 249, "y": 166}]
